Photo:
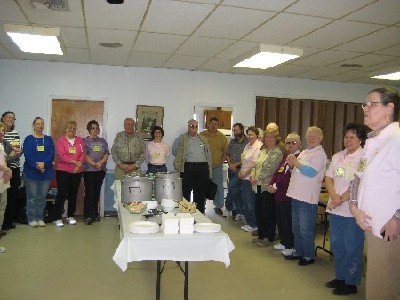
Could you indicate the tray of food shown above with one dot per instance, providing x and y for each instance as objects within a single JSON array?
[{"x": 135, "y": 207}]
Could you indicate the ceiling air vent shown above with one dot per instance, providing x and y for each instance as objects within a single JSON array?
[
  {"x": 111, "y": 45},
  {"x": 57, "y": 5}
]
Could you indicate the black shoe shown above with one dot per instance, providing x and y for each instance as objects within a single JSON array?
[
  {"x": 8, "y": 227},
  {"x": 88, "y": 221},
  {"x": 3, "y": 233},
  {"x": 218, "y": 211},
  {"x": 345, "y": 289},
  {"x": 292, "y": 257},
  {"x": 335, "y": 283},
  {"x": 97, "y": 219},
  {"x": 305, "y": 262}
]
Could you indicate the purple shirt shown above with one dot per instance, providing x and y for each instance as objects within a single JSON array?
[{"x": 95, "y": 148}]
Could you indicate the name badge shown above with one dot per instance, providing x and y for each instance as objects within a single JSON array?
[
  {"x": 281, "y": 169},
  {"x": 156, "y": 154},
  {"x": 242, "y": 155},
  {"x": 96, "y": 148},
  {"x": 72, "y": 150},
  {"x": 15, "y": 143},
  {"x": 40, "y": 148},
  {"x": 340, "y": 172},
  {"x": 362, "y": 165}
]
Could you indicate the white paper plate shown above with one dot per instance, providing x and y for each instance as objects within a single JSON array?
[
  {"x": 143, "y": 227},
  {"x": 207, "y": 227}
]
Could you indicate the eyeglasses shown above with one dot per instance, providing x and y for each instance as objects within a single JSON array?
[
  {"x": 291, "y": 143},
  {"x": 95, "y": 128},
  {"x": 193, "y": 126},
  {"x": 157, "y": 131},
  {"x": 370, "y": 104}
]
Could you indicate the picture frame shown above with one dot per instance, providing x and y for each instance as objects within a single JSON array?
[{"x": 147, "y": 117}]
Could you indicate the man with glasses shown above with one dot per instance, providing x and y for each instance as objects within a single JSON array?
[
  {"x": 128, "y": 150},
  {"x": 234, "y": 152},
  {"x": 193, "y": 160}
]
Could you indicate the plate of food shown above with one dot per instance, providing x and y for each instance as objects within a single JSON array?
[{"x": 135, "y": 207}]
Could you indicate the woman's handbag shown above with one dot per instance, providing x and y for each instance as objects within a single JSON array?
[{"x": 212, "y": 190}]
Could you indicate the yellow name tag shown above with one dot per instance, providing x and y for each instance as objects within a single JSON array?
[
  {"x": 242, "y": 155},
  {"x": 340, "y": 172},
  {"x": 72, "y": 150},
  {"x": 40, "y": 148},
  {"x": 361, "y": 166},
  {"x": 96, "y": 148},
  {"x": 281, "y": 169},
  {"x": 15, "y": 143},
  {"x": 156, "y": 154}
]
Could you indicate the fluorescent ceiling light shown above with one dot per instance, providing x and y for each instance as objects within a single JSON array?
[
  {"x": 34, "y": 39},
  {"x": 266, "y": 56},
  {"x": 390, "y": 76}
]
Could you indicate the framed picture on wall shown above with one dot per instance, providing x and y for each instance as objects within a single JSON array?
[{"x": 147, "y": 117}]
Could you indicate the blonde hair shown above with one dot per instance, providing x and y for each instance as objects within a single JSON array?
[
  {"x": 316, "y": 130},
  {"x": 2, "y": 125},
  {"x": 274, "y": 133},
  {"x": 293, "y": 136},
  {"x": 68, "y": 123}
]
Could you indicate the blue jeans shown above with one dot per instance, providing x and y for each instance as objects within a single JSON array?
[
  {"x": 155, "y": 169},
  {"x": 304, "y": 218},
  {"x": 347, "y": 241},
  {"x": 234, "y": 196},
  {"x": 36, "y": 192},
  {"x": 218, "y": 178},
  {"x": 249, "y": 200}
]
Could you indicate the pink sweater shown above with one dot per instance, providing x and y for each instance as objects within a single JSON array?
[
  {"x": 302, "y": 187},
  {"x": 67, "y": 152}
]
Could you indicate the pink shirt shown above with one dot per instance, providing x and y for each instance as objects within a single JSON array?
[
  {"x": 157, "y": 153},
  {"x": 379, "y": 189},
  {"x": 249, "y": 156},
  {"x": 342, "y": 170},
  {"x": 67, "y": 152},
  {"x": 302, "y": 187}
]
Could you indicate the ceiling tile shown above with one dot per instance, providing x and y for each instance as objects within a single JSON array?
[
  {"x": 112, "y": 57},
  {"x": 74, "y": 37},
  {"x": 184, "y": 62},
  {"x": 394, "y": 51},
  {"x": 367, "y": 60},
  {"x": 381, "y": 12},
  {"x": 10, "y": 12},
  {"x": 257, "y": 4},
  {"x": 317, "y": 73},
  {"x": 127, "y": 16},
  {"x": 45, "y": 16},
  {"x": 236, "y": 49},
  {"x": 287, "y": 70},
  {"x": 230, "y": 22},
  {"x": 336, "y": 33},
  {"x": 146, "y": 59},
  {"x": 124, "y": 37},
  {"x": 381, "y": 39},
  {"x": 325, "y": 58},
  {"x": 74, "y": 55},
  {"x": 285, "y": 28},
  {"x": 175, "y": 17},
  {"x": 158, "y": 43},
  {"x": 217, "y": 65},
  {"x": 203, "y": 46},
  {"x": 330, "y": 9}
]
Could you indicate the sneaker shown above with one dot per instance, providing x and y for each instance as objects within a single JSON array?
[
  {"x": 33, "y": 224},
  {"x": 244, "y": 227},
  {"x": 308, "y": 261},
  {"x": 279, "y": 247},
  {"x": 71, "y": 221},
  {"x": 41, "y": 223},
  {"x": 88, "y": 221},
  {"x": 250, "y": 229},
  {"x": 287, "y": 252},
  {"x": 263, "y": 243},
  {"x": 59, "y": 223},
  {"x": 225, "y": 212},
  {"x": 2, "y": 249},
  {"x": 238, "y": 217}
]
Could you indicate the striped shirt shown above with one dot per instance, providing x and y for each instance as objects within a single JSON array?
[{"x": 15, "y": 140}]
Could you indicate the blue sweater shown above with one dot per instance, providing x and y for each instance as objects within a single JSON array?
[{"x": 34, "y": 152}]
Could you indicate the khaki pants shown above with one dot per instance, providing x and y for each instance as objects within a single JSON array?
[
  {"x": 3, "y": 204},
  {"x": 383, "y": 268}
]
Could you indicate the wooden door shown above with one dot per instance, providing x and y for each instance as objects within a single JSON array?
[{"x": 80, "y": 111}]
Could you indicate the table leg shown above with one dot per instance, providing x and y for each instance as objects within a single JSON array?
[
  {"x": 186, "y": 288},
  {"x": 158, "y": 282}
]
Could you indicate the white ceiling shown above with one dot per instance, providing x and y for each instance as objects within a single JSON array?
[{"x": 206, "y": 35}]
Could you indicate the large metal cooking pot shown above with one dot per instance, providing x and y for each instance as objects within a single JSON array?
[
  {"x": 136, "y": 189},
  {"x": 168, "y": 189},
  {"x": 168, "y": 175}
]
